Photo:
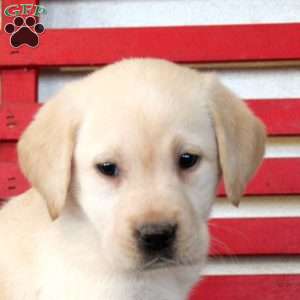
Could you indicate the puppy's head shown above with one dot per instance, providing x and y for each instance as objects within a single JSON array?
[{"x": 143, "y": 143}]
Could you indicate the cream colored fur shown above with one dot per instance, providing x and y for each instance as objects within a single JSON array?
[{"x": 70, "y": 237}]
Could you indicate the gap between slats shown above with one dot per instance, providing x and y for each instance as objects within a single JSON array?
[
  {"x": 258, "y": 207},
  {"x": 283, "y": 82},
  {"x": 251, "y": 265},
  {"x": 165, "y": 13}
]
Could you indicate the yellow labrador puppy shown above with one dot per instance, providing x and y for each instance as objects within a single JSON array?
[{"x": 124, "y": 166}]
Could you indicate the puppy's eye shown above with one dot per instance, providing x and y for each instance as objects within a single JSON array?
[
  {"x": 187, "y": 160},
  {"x": 108, "y": 169}
]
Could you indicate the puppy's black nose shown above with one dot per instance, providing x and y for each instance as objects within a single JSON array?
[{"x": 155, "y": 238}]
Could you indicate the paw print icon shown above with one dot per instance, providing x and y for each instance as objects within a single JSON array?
[{"x": 24, "y": 32}]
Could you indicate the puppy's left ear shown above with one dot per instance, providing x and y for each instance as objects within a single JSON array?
[
  {"x": 45, "y": 149},
  {"x": 240, "y": 137}
]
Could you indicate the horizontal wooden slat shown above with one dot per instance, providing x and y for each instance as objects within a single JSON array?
[
  {"x": 282, "y": 117},
  {"x": 253, "y": 287},
  {"x": 276, "y": 176},
  {"x": 255, "y": 236},
  {"x": 185, "y": 44}
]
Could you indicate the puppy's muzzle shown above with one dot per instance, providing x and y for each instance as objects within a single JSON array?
[{"x": 156, "y": 240}]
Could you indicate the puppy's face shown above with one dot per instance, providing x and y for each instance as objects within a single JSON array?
[
  {"x": 146, "y": 169},
  {"x": 146, "y": 138}
]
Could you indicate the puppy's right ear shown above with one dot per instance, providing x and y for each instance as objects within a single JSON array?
[
  {"x": 45, "y": 150},
  {"x": 240, "y": 137}
]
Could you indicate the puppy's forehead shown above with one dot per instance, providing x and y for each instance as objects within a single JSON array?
[
  {"x": 145, "y": 86},
  {"x": 147, "y": 98},
  {"x": 139, "y": 81}
]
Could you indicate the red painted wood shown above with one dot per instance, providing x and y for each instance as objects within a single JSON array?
[
  {"x": 248, "y": 287},
  {"x": 14, "y": 118},
  {"x": 281, "y": 117},
  {"x": 12, "y": 182},
  {"x": 19, "y": 86},
  {"x": 185, "y": 44},
  {"x": 276, "y": 176},
  {"x": 1, "y": 97},
  {"x": 255, "y": 236},
  {"x": 8, "y": 151},
  {"x": 286, "y": 120}
]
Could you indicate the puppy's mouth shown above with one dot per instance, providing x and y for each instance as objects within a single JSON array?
[{"x": 160, "y": 262}]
